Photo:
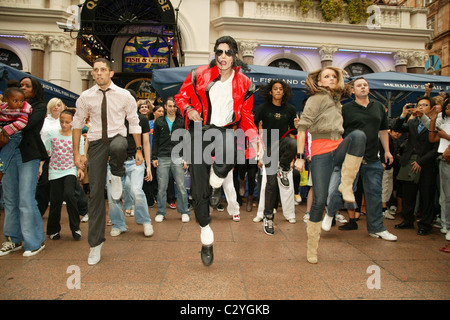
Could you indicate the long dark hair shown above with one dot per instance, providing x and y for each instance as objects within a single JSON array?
[
  {"x": 38, "y": 89},
  {"x": 234, "y": 49},
  {"x": 266, "y": 90}
]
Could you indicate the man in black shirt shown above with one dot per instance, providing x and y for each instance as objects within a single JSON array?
[{"x": 370, "y": 117}]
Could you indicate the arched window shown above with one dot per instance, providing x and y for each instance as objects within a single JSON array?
[
  {"x": 286, "y": 64},
  {"x": 358, "y": 69},
  {"x": 10, "y": 59}
]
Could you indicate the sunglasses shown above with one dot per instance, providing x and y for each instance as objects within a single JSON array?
[{"x": 227, "y": 52}]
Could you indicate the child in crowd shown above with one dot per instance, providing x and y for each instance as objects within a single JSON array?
[
  {"x": 63, "y": 176},
  {"x": 13, "y": 118}
]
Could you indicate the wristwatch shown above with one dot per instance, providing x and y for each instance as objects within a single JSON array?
[
  {"x": 139, "y": 148},
  {"x": 301, "y": 156}
]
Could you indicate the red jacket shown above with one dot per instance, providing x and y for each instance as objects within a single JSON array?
[{"x": 193, "y": 96}]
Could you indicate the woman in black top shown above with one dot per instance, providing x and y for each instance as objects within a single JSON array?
[{"x": 23, "y": 221}]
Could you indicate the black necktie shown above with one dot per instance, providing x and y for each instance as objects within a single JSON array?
[{"x": 104, "y": 118}]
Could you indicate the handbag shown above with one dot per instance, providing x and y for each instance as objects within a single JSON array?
[
  {"x": 405, "y": 173},
  {"x": 304, "y": 178}
]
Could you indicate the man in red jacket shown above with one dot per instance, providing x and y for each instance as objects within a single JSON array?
[{"x": 214, "y": 100}]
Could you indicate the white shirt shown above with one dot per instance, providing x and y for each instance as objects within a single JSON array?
[
  {"x": 50, "y": 124},
  {"x": 221, "y": 95},
  {"x": 120, "y": 105}
]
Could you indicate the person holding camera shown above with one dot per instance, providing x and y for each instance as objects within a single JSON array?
[{"x": 418, "y": 169}]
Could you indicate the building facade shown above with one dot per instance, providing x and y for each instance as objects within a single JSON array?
[{"x": 391, "y": 37}]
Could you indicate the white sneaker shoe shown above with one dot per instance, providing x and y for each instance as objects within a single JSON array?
[
  {"x": 115, "y": 232},
  {"x": 387, "y": 214},
  {"x": 326, "y": 223},
  {"x": 236, "y": 218},
  {"x": 292, "y": 220},
  {"x": 340, "y": 218},
  {"x": 306, "y": 217},
  {"x": 85, "y": 218},
  {"x": 185, "y": 217},
  {"x": 95, "y": 254},
  {"x": 447, "y": 236},
  {"x": 116, "y": 187},
  {"x": 257, "y": 219},
  {"x": 148, "y": 229},
  {"x": 385, "y": 235},
  {"x": 159, "y": 218},
  {"x": 32, "y": 253}
]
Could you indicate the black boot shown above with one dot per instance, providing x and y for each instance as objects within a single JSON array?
[{"x": 351, "y": 225}]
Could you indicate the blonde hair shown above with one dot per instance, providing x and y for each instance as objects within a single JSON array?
[
  {"x": 53, "y": 102},
  {"x": 146, "y": 102},
  {"x": 313, "y": 78}
]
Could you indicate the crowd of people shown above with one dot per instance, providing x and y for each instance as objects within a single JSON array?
[{"x": 126, "y": 150}]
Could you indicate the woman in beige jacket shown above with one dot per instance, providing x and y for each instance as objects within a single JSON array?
[{"x": 322, "y": 115}]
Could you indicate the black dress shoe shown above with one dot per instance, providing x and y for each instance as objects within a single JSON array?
[
  {"x": 214, "y": 199},
  {"x": 404, "y": 225},
  {"x": 207, "y": 255},
  {"x": 423, "y": 232}
]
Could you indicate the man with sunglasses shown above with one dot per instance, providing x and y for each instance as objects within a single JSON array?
[{"x": 217, "y": 98}]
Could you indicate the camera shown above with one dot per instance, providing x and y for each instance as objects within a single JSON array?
[
  {"x": 431, "y": 85},
  {"x": 411, "y": 106}
]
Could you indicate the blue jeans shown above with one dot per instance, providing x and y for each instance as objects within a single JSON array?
[
  {"x": 322, "y": 166},
  {"x": 23, "y": 221},
  {"x": 7, "y": 152},
  {"x": 165, "y": 165},
  {"x": 372, "y": 177},
  {"x": 132, "y": 181}
]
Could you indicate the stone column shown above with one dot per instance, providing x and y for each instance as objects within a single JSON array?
[
  {"x": 84, "y": 78},
  {"x": 326, "y": 55},
  {"x": 37, "y": 43},
  {"x": 401, "y": 61},
  {"x": 416, "y": 61},
  {"x": 247, "y": 49},
  {"x": 60, "y": 47}
]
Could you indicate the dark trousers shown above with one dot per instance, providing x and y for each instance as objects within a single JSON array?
[
  {"x": 427, "y": 190},
  {"x": 43, "y": 189},
  {"x": 116, "y": 151},
  {"x": 200, "y": 167},
  {"x": 63, "y": 189}
]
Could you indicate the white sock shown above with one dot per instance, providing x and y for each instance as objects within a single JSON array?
[
  {"x": 214, "y": 180},
  {"x": 207, "y": 235}
]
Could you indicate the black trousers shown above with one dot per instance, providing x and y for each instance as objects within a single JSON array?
[
  {"x": 223, "y": 147},
  {"x": 63, "y": 189},
  {"x": 427, "y": 191}
]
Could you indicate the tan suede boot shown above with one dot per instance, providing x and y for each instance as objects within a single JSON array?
[
  {"x": 313, "y": 232},
  {"x": 350, "y": 168}
]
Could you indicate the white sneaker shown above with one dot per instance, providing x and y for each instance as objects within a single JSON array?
[
  {"x": 447, "y": 236},
  {"x": 148, "y": 229},
  {"x": 32, "y": 253},
  {"x": 185, "y": 217},
  {"x": 257, "y": 219},
  {"x": 306, "y": 217},
  {"x": 236, "y": 218},
  {"x": 387, "y": 214},
  {"x": 159, "y": 218},
  {"x": 297, "y": 199},
  {"x": 115, "y": 232},
  {"x": 85, "y": 218},
  {"x": 292, "y": 220},
  {"x": 116, "y": 187},
  {"x": 326, "y": 223},
  {"x": 385, "y": 235},
  {"x": 340, "y": 218},
  {"x": 207, "y": 235},
  {"x": 393, "y": 208},
  {"x": 95, "y": 254}
]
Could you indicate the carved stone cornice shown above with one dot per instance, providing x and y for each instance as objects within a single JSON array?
[
  {"x": 327, "y": 53},
  {"x": 247, "y": 48},
  {"x": 401, "y": 58},
  {"x": 37, "y": 41},
  {"x": 60, "y": 43},
  {"x": 417, "y": 59}
]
